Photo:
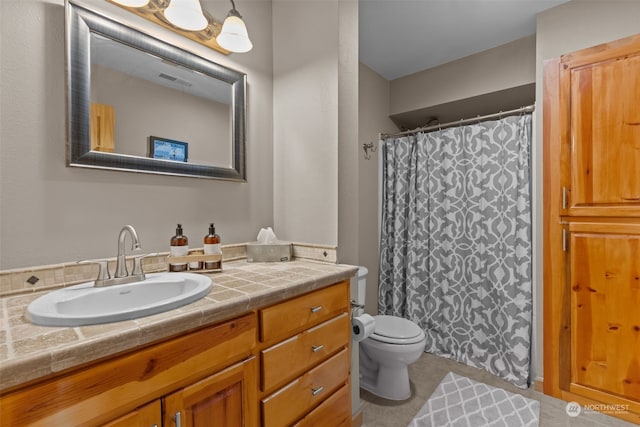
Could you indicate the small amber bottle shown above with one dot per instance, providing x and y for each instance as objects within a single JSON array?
[
  {"x": 212, "y": 246},
  {"x": 179, "y": 247}
]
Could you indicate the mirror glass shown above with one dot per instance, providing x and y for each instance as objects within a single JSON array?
[{"x": 139, "y": 104}]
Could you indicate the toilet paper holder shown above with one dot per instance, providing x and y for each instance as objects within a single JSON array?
[{"x": 355, "y": 305}]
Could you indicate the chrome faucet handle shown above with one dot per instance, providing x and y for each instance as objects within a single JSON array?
[
  {"x": 137, "y": 264},
  {"x": 103, "y": 269}
]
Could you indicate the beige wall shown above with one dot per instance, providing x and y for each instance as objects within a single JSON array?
[
  {"x": 506, "y": 66},
  {"x": 575, "y": 25},
  {"x": 373, "y": 119},
  {"x": 305, "y": 120},
  {"x": 50, "y": 213},
  {"x": 302, "y": 116},
  {"x": 315, "y": 51},
  {"x": 349, "y": 209}
]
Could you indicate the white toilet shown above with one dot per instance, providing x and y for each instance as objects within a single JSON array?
[{"x": 386, "y": 354}]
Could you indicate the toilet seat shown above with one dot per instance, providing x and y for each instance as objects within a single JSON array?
[{"x": 396, "y": 330}]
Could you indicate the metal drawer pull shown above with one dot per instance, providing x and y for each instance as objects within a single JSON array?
[
  {"x": 316, "y": 309},
  {"x": 177, "y": 419},
  {"x": 317, "y": 348},
  {"x": 316, "y": 391}
]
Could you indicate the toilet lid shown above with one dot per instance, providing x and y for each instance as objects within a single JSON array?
[{"x": 396, "y": 330}]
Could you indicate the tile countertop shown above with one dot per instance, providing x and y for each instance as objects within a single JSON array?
[{"x": 29, "y": 352}]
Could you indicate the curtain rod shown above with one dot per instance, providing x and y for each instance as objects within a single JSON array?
[{"x": 527, "y": 109}]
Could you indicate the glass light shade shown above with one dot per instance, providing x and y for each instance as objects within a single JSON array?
[
  {"x": 234, "y": 36},
  {"x": 186, "y": 14},
  {"x": 132, "y": 3}
]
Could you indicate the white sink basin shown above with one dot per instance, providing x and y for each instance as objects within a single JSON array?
[{"x": 85, "y": 304}]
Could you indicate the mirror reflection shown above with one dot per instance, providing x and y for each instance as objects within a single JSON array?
[
  {"x": 136, "y": 95},
  {"x": 147, "y": 106}
]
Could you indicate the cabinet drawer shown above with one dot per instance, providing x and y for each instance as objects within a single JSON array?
[
  {"x": 333, "y": 412},
  {"x": 283, "y": 320},
  {"x": 295, "y": 399},
  {"x": 288, "y": 359}
]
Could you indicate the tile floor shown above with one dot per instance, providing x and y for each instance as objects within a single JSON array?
[{"x": 425, "y": 376}]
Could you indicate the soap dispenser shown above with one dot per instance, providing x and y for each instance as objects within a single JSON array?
[
  {"x": 179, "y": 247},
  {"x": 212, "y": 246}
]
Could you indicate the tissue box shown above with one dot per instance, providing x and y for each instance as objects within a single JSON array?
[{"x": 269, "y": 252}]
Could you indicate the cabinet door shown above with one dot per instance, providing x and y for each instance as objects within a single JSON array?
[
  {"x": 602, "y": 95},
  {"x": 149, "y": 415},
  {"x": 227, "y": 398},
  {"x": 605, "y": 296}
]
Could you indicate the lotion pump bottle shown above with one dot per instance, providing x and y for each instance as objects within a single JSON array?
[
  {"x": 212, "y": 246},
  {"x": 179, "y": 247}
]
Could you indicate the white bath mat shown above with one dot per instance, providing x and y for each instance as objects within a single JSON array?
[{"x": 461, "y": 402}]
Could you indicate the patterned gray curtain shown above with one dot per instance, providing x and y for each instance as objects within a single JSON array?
[{"x": 455, "y": 249}]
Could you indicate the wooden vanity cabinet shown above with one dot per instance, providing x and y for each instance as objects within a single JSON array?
[
  {"x": 207, "y": 375},
  {"x": 149, "y": 415},
  {"x": 227, "y": 398},
  {"x": 282, "y": 365},
  {"x": 591, "y": 133},
  {"x": 305, "y": 360}
]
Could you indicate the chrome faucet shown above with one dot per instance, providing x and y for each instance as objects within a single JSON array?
[
  {"x": 121, "y": 276},
  {"x": 121, "y": 264}
]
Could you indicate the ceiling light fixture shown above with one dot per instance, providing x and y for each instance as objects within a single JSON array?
[
  {"x": 186, "y": 17},
  {"x": 234, "y": 36},
  {"x": 186, "y": 14}
]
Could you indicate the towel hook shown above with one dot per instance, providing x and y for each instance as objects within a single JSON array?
[{"x": 368, "y": 148}]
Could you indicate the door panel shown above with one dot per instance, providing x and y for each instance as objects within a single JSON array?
[
  {"x": 149, "y": 415},
  {"x": 605, "y": 134},
  {"x": 605, "y": 296},
  {"x": 227, "y": 398}
]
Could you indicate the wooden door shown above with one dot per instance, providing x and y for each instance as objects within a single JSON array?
[
  {"x": 605, "y": 297},
  {"x": 227, "y": 398},
  {"x": 591, "y": 133},
  {"x": 149, "y": 415},
  {"x": 601, "y": 103},
  {"x": 102, "y": 128}
]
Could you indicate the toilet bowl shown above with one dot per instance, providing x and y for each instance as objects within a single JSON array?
[{"x": 386, "y": 355}]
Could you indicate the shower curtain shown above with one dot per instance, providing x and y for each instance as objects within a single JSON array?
[{"x": 455, "y": 248}]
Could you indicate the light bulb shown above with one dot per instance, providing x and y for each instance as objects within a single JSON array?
[
  {"x": 234, "y": 36},
  {"x": 186, "y": 14}
]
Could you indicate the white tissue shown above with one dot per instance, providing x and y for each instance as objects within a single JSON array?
[{"x": 266, "y": 235}]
